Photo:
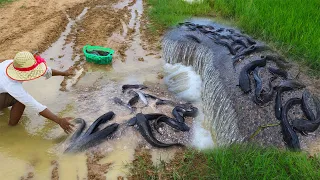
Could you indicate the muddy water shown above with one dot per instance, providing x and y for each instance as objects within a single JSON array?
[{"x": 35, "y": 142}]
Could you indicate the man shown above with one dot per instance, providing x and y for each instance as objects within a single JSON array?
[{"x": 26, "y": 67}]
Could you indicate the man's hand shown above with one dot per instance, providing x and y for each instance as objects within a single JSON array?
[
  {"x": 65, "y": 124},
  {"x": 69, "y": 72}
]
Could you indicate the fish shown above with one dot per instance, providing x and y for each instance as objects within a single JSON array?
[
  {"x": 289, "y": 135},
  {"x": 305, "y": 106},
  {"x": 244, "y": 80},
  {"x": 193, "y": 38},
  {"x": 142, "y": 97},
  {"x": 251, "y": 49},
  {"x": 162, "y": 102},
  {"x": 239, "y": 41},
  {"x": 310, "y": 125},
  {"x": 101, "y": 120},
  {"x": 249, "y": 39},
  {"x": 150, "y": 117},
  {"x": 227, "y": 45},
  {"x": 177, "y": 112},
  {"x": 93, "y": 139},
  {"x": 279, "y": 60},
  {"x": 287, "y": 85},
  {"x": 181, "y": 126},
  {"x": 79, "y": 131},
  {"x": 258, "y": 82},
  {"x": 98, "y": 52},
  {"x": 305, "y": 126},
  {"x": 133, "y": 86},
  {"x": 265, "y": 96},
  {"x": 120, "y": 102},
  {"x": 146, "y": 131},
  {"x": 278, "y": 72}
]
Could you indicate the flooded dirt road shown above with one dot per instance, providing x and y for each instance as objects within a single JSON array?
[{"x": 34, "y": 148}]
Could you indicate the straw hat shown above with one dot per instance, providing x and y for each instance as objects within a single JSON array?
[{"x": 26, "y": 67}]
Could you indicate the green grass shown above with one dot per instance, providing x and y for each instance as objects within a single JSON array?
[
  {"x": 291, "y": 25},
  {"x": 234, "y": 162},
  {"x": 2, "y": 2},
  {"x": 165, "y": 13}
]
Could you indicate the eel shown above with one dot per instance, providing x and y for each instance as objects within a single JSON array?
[
  {"x": 251, "y": 49},
  {"x": 310, "y": 125},
  {"x": 258, "y": 82},
  {"x": 279, "y": 60},
  {"x": 289, "y": 135},
  {"x": 227, "y": 45},
  {"x": 287, "y": 85},
  {"x": 101, "y": 120},
  {"x": 249, "y": 39},
  {"x": 193, "y": 38},
  {"x": 146, "y": 131},
  {"x": 278, "y": 72},
  {"x": 181, "y": 126},
  {"x": 265, "y": 97},
  {"x": 133, "y": 86},
  {"x": 78, "y": 132},
  {"x": 305, "y": 106},
  {"x": 93, "y": 139},
  {"x": 120, "y": 102},
  {"x": 239, "y": 41},
  {"x": 244, "y": 80},
  {"x": 150, "y": 117}
]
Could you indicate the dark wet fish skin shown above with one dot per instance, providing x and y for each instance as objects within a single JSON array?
[
  {"x": 278, "y": 72},
  {"x": 289, "y": 135},
  {"x": 193, "y": 38},
  {"x": 310, "y": 125},
  {"x": 133, "y": 86},
  {"x": 244, "y": 80},
  {"x": 150, "y": 117},
  {"x": 120, "y": 102},
  {"x": 258, "y": 82},
  {"x": 306, "y": 126},
  {"x": 79, "y": 131},
  {"x": 101, "y": 120},
  {"x": 265, "y": 97},
  {"x": 93, "y": 140},
  {"x": 181, "y": 126},
  {"x": 251, "y": 49},
  {"x": 227, "y": 45},
  {"x": 305, "y": 106},
  {"x": 287, "y": 85},
  {"x": 146, "y": 131}
]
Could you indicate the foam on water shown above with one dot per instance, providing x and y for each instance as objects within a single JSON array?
[
  {"x": 183, "y": 81},
  {"x": 186, "y": 84}
]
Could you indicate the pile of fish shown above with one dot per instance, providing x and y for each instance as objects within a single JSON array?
[
  {"x": 98, "y": 52},
  {"x": 241, "y": 46},
  {"x": 142, "y": 121},
  {"x": 80, "y": 141}
]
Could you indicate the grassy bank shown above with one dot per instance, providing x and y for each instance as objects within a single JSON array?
[
  {"x": 292, "y": 25},
  {"x": 2, "y": 2},
  {"x": 235, "y": 162}
]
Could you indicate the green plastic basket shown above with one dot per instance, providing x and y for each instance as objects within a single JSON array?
[{"x": 96, "y": 58}]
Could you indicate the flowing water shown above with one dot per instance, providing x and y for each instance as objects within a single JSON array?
[{"x": 218, "y": 110}]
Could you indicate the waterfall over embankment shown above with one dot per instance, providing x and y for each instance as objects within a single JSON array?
[
  {"x": 221, "y": 55},
  {"x": 180, "y": 47}
]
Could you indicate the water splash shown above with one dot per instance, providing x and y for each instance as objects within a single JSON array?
[
  {"x": 183, "y": 81},
  {"x": 186, "y": 84},
  {"x": 221, "y": 116}
]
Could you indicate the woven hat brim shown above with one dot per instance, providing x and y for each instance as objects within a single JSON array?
[{"x": 26, "y": 75}]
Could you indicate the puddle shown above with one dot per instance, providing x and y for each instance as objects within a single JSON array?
[{"x": 89, "y": 94}]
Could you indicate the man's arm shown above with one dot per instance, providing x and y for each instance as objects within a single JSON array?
[{"x": 62, "y": 73}]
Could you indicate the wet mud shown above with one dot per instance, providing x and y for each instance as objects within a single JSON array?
[{"x": 88, "y": 94}]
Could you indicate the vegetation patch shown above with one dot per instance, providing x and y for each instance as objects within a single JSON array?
[
  {"x": 290, "y": 25},
  {"x": 232, "y": 162}
]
